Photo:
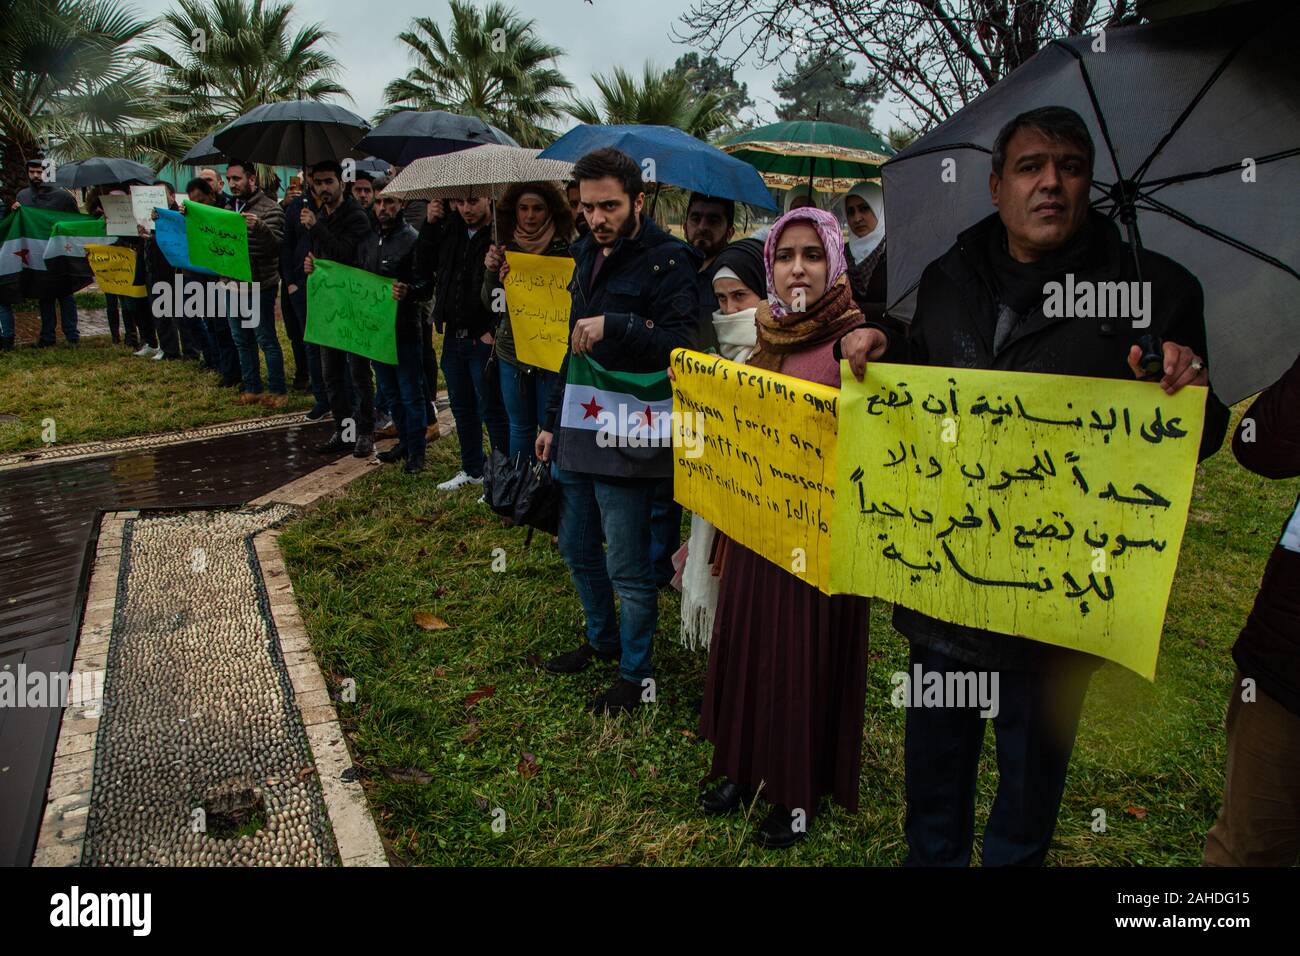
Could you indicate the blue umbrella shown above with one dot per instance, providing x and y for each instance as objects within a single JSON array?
[{"x": 679, "y": 160}]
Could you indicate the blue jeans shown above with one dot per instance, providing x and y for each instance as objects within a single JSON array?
[
  {"x": 405, "y": 382},
  {"x": 665, "y": 531},
  {"x": 247, "y": 341},
  {"x": 1035, "y": 724},
  {"x": 226, "y": 359},
  {"x": 473, "y": 404},
  {"x": 67, "y": 313},
  {"x": 591, "y": 509},
  {"x": 6, "y": 321},
  {"x": 524, "y": 390}
]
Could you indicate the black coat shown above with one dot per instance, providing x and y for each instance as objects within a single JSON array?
[
  {"x": 453, "y": 259},
  {"x": 956, "y": 313},
  {"x": 646, "y": 290},
  {"x": 393, "y": 255},
  {"x": 1269, "y": 646}
]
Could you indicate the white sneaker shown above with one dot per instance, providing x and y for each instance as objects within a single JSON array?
[
  {"x": 159, "y": 355},
  {"x": 459, "y": 481},
  {"x": 146, "y": 351}
]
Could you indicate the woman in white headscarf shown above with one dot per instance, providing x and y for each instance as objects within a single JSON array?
[{"x": 864, "y": 207}]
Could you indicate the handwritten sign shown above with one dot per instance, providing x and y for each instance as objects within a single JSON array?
[
  {"x": 172, "y": 241},
  {"x": 352, "y": 310},
  {"x": 537, "y": 295},
  {"x": 114, "y": 269},
  {"x": 119, "y": 218},
  {"x": 1045, "y": 506},
  {"x": 144, "y": 200},
  {"x": 218, "y": 241},
  {"x": 754, "y": 454}
]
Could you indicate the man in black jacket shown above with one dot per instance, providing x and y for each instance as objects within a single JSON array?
[
  {"x": 634, "y": 301},
  {"x": 391, "y": 252},
  {"x": 40, "y": 194},
  {"x": 980, "y": 305},
  {"x": 453, "y": 248},
  {"x": 336, "y": 227},
  {"x": 293, "y": 252}
]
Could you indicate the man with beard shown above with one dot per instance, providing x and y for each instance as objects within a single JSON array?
[
  {"x": 41, "y": 195},
  {"x": 634, "y": 301},
  {"x": 265, "y": 221},
  {"x": 336, "y": 226},
  {"x": 220, "y": 196},
  {"x": 575, "y": 204}
]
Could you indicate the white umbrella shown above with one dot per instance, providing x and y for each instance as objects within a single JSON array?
[{"x": 487, "y": 170}]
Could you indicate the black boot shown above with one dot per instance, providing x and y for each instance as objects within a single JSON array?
[
  {"x": 364, "y": 448},
  {"x": 623, "y": 698},
  {"x": 414, "y": 464},
  {"x": 396, "y": 453},
  {"x": 724, "y": 798},
  {"x": 6, "y": 343},
  {"x": 777, "y": 832},
  {"x": 336, "y": 444},
  {"x": 572, "y": 662}
]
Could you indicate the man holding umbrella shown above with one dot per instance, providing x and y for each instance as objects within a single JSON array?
[{"x": 981, "y": 305}]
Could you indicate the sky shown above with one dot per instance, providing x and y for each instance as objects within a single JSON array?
[{"x": 595, "y": 37}]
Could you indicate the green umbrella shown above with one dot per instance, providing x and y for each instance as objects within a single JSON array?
[{"x": 830, "y": 155}]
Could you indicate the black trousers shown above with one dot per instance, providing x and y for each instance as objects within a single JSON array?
[
  {"x": 339, "y": 368},
  {"x": 429, "y": 357},
  {"x": 1037, "y": 717},
  {"x": 293, "y": 327}
]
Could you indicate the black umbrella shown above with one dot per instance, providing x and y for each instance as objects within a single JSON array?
[
  {"x": 1197, "y": 127},
  {"x": 101, "y": 171},
  {"x": 202, "y": 153},
  {"x": 293, "y": 133},
  {"x": 372, "y": 164},
  {"x": 406, "y": 136}
]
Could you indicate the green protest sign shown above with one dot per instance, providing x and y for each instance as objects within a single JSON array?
[
  {"x": 218, "y": 240},
  {"x": 352, "y": 310}
]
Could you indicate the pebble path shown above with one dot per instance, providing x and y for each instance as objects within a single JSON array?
[{"x": 198, "y": 706}]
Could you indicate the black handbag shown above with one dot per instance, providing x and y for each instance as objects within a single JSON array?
[
  {"x": 522, "y": 489},
  {"x": 501, "y": 477}
]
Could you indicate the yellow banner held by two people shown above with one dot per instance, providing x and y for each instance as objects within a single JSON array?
[
  {"x": 537, "y": 295},
  {"x": 114, "y": 269},
  {"x": 754, "y": 454},
  {"x": 1046, "y": 506}
]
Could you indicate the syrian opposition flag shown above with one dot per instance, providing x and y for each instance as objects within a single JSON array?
[
  {"x": 617, "y": 424},
  {"x": 24, "y": 236},
  {"x": 65, "y": 253}
]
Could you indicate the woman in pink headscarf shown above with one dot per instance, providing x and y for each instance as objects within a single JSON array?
[{"x": 787, "y": 679}]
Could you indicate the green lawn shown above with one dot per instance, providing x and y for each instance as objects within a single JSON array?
[
  {"x": 97, "y": 391},
  {"x": 451, "y": 724}
]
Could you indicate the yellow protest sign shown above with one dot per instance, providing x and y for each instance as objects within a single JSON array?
[
  {"x": 537, "y": 295},
  {"x": 1045, "y": 506},
  {"x": 754, "y": 454},
  {"x": 114, "y": 269}
]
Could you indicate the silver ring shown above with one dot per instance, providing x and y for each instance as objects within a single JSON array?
[{"x": 1197, "y": 365}]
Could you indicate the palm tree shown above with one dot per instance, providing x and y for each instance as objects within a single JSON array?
[
  {"x": 246, "y": 54},
  {"x": 661, "y": 98},
  {"x": 491, "y": 65},
  {"x": 67, "y": 83}
]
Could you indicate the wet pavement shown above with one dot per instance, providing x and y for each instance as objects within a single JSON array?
[{"x": 48, "y": 519}]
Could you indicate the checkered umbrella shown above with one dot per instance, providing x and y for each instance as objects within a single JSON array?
[{"x": 481, "y": 171}]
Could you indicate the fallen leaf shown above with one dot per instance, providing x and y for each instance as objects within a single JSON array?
[
  {"x": 481, "y": 803},
  {"x": 653, "y": 771},
  {"x": 527, "y": 766},
  {"x": 478, "y": 694},
  {"x": 1139, "y": 812},
  {"x": 688, "y": 734},
  {"x": 407, "y": 775},
  {"x": 632, "y": 770},
  {"x": 306, "y": 772},
  {"x": 429, "y": 622},
  {"x": 440, "y": 671},
  {"x": 1200, "y": 642}
]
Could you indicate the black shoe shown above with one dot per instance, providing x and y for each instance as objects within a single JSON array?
[
  {"x": 6, "y": 343},
  {"x": 336, "y": 445},
  {"x": 226, "y": 382},
  {"x": 573, "y": 662},
  {"x": 724, "y": 798},
  {"x": 414, "y": 464},
  {"x": 317, "y": 413},
  {"x": 776, "y": 831},
  {"x": 301, "y": 384},
  {"x": 623, "y": 698},
  {"x": 396, "y": 453},
  {"x": 364, "y": 447}
]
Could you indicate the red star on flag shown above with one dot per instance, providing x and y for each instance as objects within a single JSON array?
[
  {"x": 649, "y": 416},
  {"x": 591, "y": 407},
  {"x": 22, "y": 254}
]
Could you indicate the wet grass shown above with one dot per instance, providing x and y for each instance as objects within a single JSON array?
[
  {"x": 97, "y": 391},
  {"x": 459, "y": 728}
]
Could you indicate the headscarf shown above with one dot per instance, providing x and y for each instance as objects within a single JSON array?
[
  {"x": 802, "y": 191},
  {"x": 832, "y": 237},
  {"x": 536, "y": 241},
  {"x": 874, "y": 197},
  {"x": 782, "y": 332},
  {"x": 738, "y": 333}
]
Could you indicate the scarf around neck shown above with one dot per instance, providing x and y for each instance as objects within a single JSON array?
[
  {"x": 829, "y": 318},
  {"x": 537, "y": 241},
  {"x": 832, "y": 239}
]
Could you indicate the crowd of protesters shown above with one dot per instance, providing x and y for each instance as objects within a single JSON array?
[{"x": 783, "y": 700}]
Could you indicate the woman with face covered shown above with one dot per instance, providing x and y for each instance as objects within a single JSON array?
[
  {"x": 864, "y": 207},
  {"x": 739, "y": 284},
  {"x": 532, "y": 218},
  {"x": 787, "y": 678}
]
